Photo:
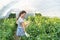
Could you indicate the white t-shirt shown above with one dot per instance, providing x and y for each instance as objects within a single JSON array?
[{"x": 19, "y": 21}]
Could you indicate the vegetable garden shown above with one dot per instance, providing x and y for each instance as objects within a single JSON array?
[{"x": 40, "y": 28}]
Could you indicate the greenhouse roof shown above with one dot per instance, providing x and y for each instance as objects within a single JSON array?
[{"x": 46, "y": 7}]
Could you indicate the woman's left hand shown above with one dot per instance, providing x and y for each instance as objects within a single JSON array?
[{"x": 27, "y": 23}]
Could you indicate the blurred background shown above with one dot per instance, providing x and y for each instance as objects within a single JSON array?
[
  {"x": 43, "y": 15},
  {"x": 49, "y": 8}
]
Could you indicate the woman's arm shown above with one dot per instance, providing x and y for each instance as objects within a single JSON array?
[{"x": 23, "y": 25}]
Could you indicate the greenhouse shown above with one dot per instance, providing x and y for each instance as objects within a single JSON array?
[{"x": 41, "y": 16}]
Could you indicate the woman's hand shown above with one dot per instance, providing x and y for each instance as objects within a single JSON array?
[{"x": 27, "y": 23}]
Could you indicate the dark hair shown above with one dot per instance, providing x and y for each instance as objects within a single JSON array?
[{"x": 22, "y": 12}]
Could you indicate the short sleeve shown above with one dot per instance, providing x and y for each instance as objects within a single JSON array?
[{"x": 20, "y": 20}]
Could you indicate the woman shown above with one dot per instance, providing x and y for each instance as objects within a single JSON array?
[{"x": 21, "y": 25}]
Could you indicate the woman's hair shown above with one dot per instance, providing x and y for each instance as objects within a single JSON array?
[{"x": 22, "y": 12}]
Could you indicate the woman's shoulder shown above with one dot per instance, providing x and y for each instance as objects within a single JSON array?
[{"x": 20, "y": 20}]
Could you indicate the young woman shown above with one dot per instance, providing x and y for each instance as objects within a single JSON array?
[{"x": 21, "y": 25}]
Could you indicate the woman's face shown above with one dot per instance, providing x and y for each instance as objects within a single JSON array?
[{"x": 23, "y": 15}]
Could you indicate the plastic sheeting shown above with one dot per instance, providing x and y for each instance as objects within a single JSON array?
[{"x": 45, "y": 7}]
